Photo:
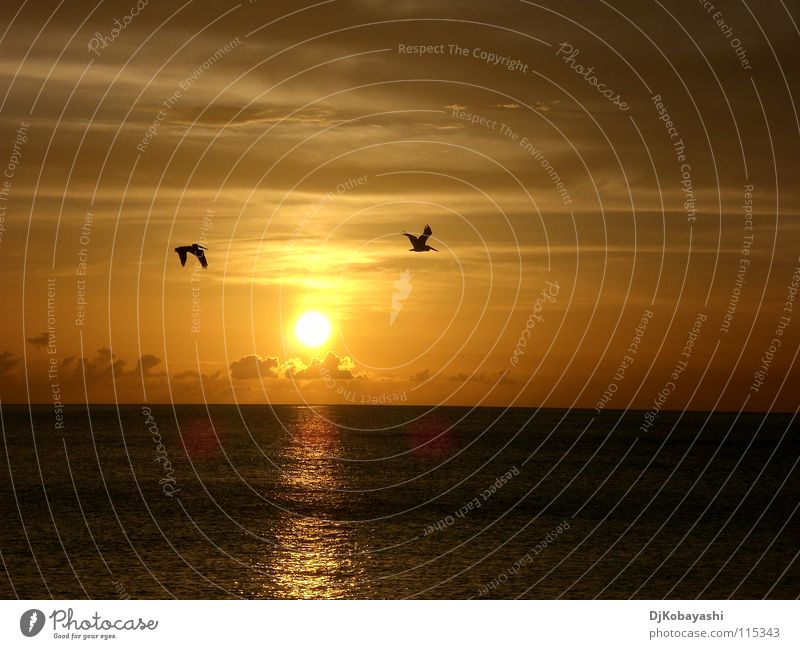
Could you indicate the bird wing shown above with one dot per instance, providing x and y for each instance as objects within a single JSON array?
[
  {"x": 201, "y": 257},
  {"x": 411, "y": 238},
  {"x": 182, "y": 254},
  {"x": 423, "y": 238}
]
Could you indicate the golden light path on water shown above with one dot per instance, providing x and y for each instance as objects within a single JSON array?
[{"x": 316, "y": 557}]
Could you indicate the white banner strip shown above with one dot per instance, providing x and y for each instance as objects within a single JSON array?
[{"x": 402, "y": 624}]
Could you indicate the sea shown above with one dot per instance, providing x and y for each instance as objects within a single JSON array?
[{"x": 391, "y": 502}]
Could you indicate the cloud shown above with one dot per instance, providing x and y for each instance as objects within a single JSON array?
[
  {"x": 269, "y": 367},
  {"x": 420, "y": 377},
  {"x": 7, "y": 362},
  {"x": 254, "y": 367},
  {"x": 490, "y": 378},
  {"x": 195, "y": 375},
  {"x": 104, "y": 367},
  {"x": 544, "y": 106},
  {"x": 145, "y": 364},
  {"x": 219, "y": 115},
  {"x": 329, "y": 367},
  {"x": 459, "y": 378},
  {"x": 187, "y": 374},
  {"x": 40, "y": 342}
]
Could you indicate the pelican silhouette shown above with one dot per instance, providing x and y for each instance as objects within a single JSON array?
[
  {"x": 420, "y": 242},
  {"x": 196, "y": 250}
]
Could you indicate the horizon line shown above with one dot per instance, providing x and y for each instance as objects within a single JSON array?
[{"x": 397, "y": 405}]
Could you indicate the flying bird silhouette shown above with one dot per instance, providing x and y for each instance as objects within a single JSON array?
[
  {"x": 420, "y": 243},
  {"x": 196, "y": 250}
]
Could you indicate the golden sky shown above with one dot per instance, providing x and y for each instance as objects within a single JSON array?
[{"x": 297, "y": 142}]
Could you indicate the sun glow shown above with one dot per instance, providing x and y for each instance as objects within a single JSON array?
[{"x": 312, "y": 329}]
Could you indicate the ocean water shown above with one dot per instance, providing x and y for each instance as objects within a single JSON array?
[{"x": 396, "y": 502}]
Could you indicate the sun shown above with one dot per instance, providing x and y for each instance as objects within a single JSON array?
[{"x": 312, "y": 329}]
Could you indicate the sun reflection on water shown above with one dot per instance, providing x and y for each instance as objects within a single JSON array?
[{"x": 316, "y": 555}]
